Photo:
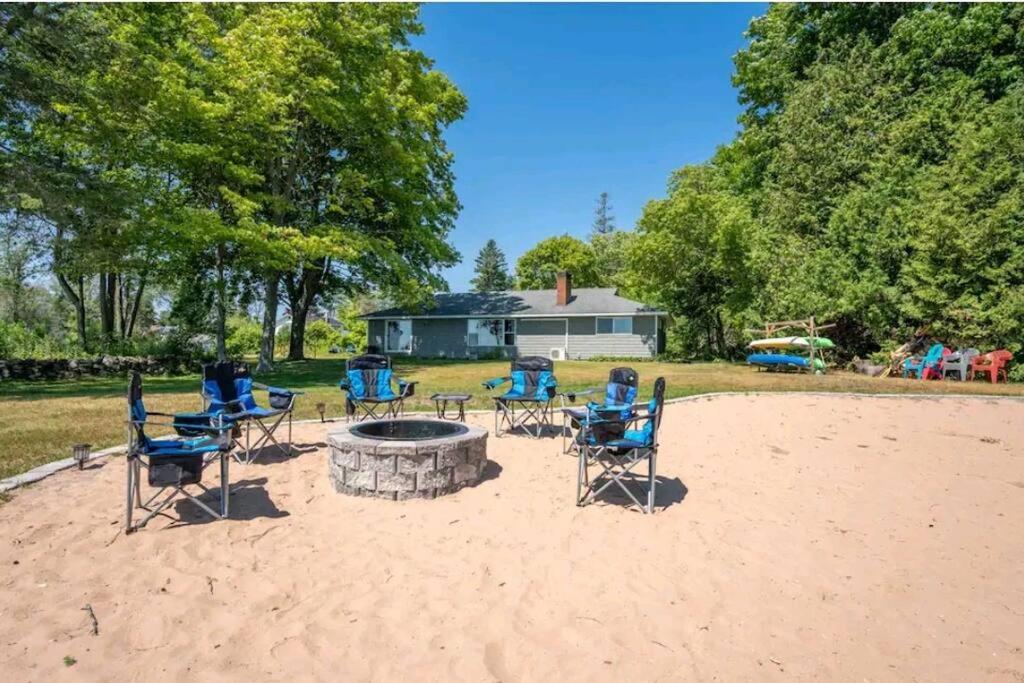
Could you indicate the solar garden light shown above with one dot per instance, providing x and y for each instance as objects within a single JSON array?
[
  {"x": 321, "y": 408},
  {"x": 80, "y": 451}
]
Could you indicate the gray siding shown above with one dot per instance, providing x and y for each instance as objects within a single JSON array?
[
  {"x": 538, "y": 336},
  {"x": 437, "y": 338},
  {"x": 440, "y": 338},
  {"x": 584, "y": 342},
  {"x": 446, "y": 338}
]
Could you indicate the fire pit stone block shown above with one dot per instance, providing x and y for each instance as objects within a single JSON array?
[{"x": 401, "y": 470}]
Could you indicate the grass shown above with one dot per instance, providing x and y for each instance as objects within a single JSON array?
[{"x": 40, "y": 421}]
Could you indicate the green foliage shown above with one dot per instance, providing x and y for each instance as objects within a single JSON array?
[
  {"x": 611, "y": 251},
  {"x": 244, "y": 338},
  {"x": 538, "y": 267},
  {"x": 320, "y": 336},
  {"x": 876, "y": 182},
  {"x": 221, "y": 143},
  {"x": 604, "y": 221},
  {"x": 491, "y": 270},
  {"x": 705, "y": 233},
  {"x": 355, "y": 328}
]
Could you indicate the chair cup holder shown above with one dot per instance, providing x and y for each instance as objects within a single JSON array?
[{"x": 176, "y": 470}]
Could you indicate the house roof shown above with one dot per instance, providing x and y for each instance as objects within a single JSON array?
[{"x": 523, "y": 304}]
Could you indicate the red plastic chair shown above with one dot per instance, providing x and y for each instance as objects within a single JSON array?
[{"x": 992, "y": 364}]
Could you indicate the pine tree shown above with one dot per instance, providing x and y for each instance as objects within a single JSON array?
[
  {"x": 604, "y": 221},
  {"x": 491, "y": 270}
]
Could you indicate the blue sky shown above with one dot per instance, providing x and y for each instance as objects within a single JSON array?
[{"x": 567, "y": 101}]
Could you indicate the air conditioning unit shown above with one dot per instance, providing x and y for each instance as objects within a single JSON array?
[{"x": 557, "y": 353}]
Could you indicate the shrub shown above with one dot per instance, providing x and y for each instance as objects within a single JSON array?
[{"x": 244, "y": 339}]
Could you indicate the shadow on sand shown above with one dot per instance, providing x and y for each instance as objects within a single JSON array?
[
  {"x": 667, "y": 492},
  {"x": 249, "y": 500}
]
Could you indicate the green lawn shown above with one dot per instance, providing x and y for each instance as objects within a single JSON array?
[{"x": 39, "y": 421}]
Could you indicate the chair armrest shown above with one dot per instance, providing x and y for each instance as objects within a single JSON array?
[
  {"x": 344, "y": 385},
  {"x": 184, "y": 425},
  {"x": 571, "y": 395},
  {"x": 406, "y": 388},
  {"x": 496, "y": 382}
]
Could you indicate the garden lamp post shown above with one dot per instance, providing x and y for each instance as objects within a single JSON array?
[{"x": 80, "y": 451}]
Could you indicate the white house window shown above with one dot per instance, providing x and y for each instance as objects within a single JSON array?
[
  {"x": 398, "y": 336},
  {"x": 491, "y": 332},
  {"x": 615, "y": 325}
]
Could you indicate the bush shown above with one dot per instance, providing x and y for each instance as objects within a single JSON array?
[
  {"x": 244, "y": 339},
  {"x": 1016, "y": 372},
  {"x": 18, "y": 341},
  {"x": 320, "y": 336}
]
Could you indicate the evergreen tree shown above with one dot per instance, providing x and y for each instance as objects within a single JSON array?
[
  {"x": 604, "y": 221},
  {"x": 491, "y": 270}
]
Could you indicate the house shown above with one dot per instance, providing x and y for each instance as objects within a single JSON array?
[
  {"x": 559, "y": 323},
  {"x": 314, "y": 314}
]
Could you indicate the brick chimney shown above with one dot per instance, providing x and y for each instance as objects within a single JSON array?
[{"x": 563, "y": 288}]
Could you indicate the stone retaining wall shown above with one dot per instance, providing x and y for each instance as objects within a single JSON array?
[
  {"x": 68, "y": 368},
  {"x": 399, "y": 470}
]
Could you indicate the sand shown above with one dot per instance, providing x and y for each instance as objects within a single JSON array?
[{"x": 800, "y": 537}]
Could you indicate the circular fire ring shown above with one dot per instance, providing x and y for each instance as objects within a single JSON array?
[{"x": 408, "y": 458}]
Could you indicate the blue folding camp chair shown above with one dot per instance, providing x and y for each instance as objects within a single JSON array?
[
  {"x": 368, "y": 387},
  {"x": 619, "y": 395},
  {"x": 173, "y": 463},
  {"x": 617, "y": 445},
  {"x": 227, "y": 391},
  {"x": 533, "y": 388}
]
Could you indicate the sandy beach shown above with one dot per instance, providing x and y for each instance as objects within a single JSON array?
[{"x": 796, "y": 537}]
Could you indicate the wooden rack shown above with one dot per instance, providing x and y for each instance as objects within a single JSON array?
[{"x": 809, "y": 327}]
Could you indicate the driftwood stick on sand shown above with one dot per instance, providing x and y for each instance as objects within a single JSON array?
[{"x": 92, "y": 617}]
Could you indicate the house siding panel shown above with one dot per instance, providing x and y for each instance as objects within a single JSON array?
[
  {"x": 538, "y": 336},
  {"x": 584, "y": 342},
  {"x": 439, "y": 338}
]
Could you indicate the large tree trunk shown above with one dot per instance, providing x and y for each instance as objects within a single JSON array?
[
  {"x": 221, "y": 307},
  {"x": 133, "y": 312},
  {"x": 301, "y": 295},
  {"x": 77, "y": 300},
  {"x": 107, "y": 296},
  {"x": 297, "y": 338},
  {"x": 720, "y": 333},
  {"x": 269, "y": 336}
]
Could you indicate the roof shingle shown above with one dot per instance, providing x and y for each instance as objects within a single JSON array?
[{"x": 524, "y": 303}]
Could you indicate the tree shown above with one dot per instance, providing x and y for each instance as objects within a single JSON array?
[
  {"x": 491, "y": 270},
  {"x": 966, "y": 277},
  {"x": 873, "y": 164},
  {"x": 703, "y": 232},
  {"x": 150, "y": 152},
  {"x": 538, "y": 267},
  {"x": 604, "y": 221},
  {"x": 320, "y": 335}
]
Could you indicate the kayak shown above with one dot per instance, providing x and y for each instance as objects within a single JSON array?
[
  {"x": 783, "y": 361},
  {"x": 791, "y": 343}
]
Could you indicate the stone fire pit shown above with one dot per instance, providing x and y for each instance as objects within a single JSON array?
[{"x": 401, "y": 459}]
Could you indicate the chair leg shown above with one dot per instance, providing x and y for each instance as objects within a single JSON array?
[
  {"x": 653, "y": 482},
  {"x": 225, "y": 490},
  {"x": 580, "y": 467},
  {"x": 131, "y": 495}
]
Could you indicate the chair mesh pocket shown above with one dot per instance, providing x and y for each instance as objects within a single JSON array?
[
  {"x": 280, "y": 399},
  {"x": 192, "y": 424},
  {"x": 608, "y": 431},
  {"x": 176, "y": 470}
]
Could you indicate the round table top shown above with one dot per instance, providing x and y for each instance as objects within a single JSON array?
[{"x": 451, "y": 397}]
